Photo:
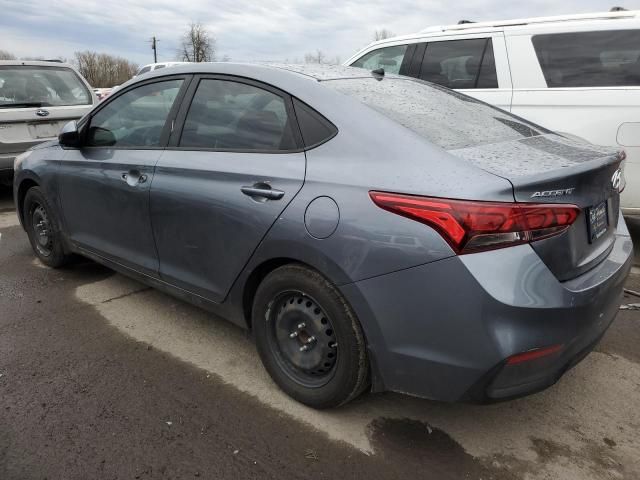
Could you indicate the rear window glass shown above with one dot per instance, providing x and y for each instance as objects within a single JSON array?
[
  {"x": 590, "y": 59},
  {"x": 444, "y": 117},
  {"x": 30, "y": 86}
]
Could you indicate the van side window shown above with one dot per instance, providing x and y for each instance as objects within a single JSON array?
[
  {"x": 389, "y": 58},
  {"x": 590, "y": 59},
  {"x": 460, "y": 64}
]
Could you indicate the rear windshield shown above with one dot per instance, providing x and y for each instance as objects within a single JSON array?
[
  {"x": 442, "y": 116},
  {"x": 30, "y": 86},
  {"x": 590, "y": 59}
]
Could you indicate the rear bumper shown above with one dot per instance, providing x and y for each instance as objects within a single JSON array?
[
  {"x": 444, "y": 330},
  {"x": 6, "y": 163}
]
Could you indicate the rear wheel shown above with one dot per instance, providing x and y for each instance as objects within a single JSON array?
[
  {"x": 43, "y": 230},
  {"x": 308, "y": 338}
]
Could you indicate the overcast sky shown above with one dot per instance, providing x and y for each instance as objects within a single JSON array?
[{"x": 275, "y": 30}]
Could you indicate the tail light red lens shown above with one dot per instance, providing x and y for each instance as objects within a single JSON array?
[
  {"x": 471, "y": 226},
  {"x": 534, "y": 354}
]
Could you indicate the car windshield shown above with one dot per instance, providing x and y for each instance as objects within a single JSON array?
[
  {"x": 444, "y": 117},
  {"x": 35, "y": 86}
]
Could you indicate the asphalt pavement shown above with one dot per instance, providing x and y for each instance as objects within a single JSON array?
[{"x": 102, "y": 377}]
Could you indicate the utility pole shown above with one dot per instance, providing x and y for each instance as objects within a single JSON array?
[{"x": 155, "y": 49}]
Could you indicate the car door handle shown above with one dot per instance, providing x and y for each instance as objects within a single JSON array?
[
  {"x": 262, "y": 190},
  {"x": 133, "y": 178}
]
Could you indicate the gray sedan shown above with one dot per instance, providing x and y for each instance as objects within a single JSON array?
[{"x": 374, "y": 232}]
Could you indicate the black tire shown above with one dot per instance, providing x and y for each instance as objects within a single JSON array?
[
  {"x": 334, "y": 369},
  {"x": 43, "y": 229}
]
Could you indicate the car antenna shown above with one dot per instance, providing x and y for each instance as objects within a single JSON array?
[
  {"x": 464, "y": 22},
  {"x": 618, "y": 9},
  {"x": 378, "y": 73}
]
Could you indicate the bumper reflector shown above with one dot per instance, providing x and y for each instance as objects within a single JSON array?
[{"x": 533, "y": 354}]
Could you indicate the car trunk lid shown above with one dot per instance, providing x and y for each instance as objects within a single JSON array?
[{"x": 556, "y": 170}]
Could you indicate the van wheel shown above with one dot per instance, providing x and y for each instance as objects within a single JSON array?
[
  {"x": 42, "y": 229},
  {"x": 308, "y": 338}
]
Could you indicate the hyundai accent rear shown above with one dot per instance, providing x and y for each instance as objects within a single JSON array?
[{"x": 537, "y": 270}]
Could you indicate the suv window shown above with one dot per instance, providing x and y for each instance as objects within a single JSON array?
[
  {"x": 590, "y": 59},
  {"x": 33, "y": 86},
  {"x": 230, "y": 115},
  {"x": 389, "y": 58},
  {"x": 136, "y": 118},
  {"x": 460, "y": 64}
]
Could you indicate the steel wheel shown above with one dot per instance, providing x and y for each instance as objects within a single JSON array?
[
  {"x": 42, "y": 230},
  {"x": 302, "y": 339}
]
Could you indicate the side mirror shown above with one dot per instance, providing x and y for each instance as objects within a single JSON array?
[{"x": 69, "y": 136}]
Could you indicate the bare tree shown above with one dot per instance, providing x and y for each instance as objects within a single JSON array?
[
  {"x": 317, "y": 57},
  {"x": 4, "y": 55},
  {"x": 382, "y": 34},
  {"x": 103, "y": 70},
  {"x": 197, "y": 45},
  {"x": 320, "y": 57}
]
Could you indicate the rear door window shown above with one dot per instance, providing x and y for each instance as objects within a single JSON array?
[
  {"x": 389, "y": 58},
  {"x": 460, "y": 64},
  {"x": 590, "y": 59},
  {"x": 228, "y": 115},
  {"x": 35, "y": 86}
]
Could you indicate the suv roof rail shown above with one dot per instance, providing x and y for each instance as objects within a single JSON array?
[{"x": 618, "y": 13}]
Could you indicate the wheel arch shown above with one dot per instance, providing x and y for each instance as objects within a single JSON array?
[
  {"x": 255, "y": 278},
  {"x": 25, "y": 185}
]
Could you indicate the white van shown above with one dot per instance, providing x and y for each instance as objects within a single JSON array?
[{"x": 578, "y": 74}]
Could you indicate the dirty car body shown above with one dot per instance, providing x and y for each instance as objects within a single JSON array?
[{"x": 482, "y": 255}]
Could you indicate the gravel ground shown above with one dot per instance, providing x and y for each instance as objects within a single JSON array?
[{"x": 102, "y": 377}]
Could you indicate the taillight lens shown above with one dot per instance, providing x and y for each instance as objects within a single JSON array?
[{"x": 470, "y": 226}]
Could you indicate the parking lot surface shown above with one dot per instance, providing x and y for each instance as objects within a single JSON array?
[{"x": 102, "y": 377}]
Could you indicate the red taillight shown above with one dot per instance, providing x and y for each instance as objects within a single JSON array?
[
  {"x": 534, "y": 354},
  {"x": 470, "y": 226}
]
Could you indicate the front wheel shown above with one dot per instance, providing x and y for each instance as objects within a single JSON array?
[
  {"x": 43, "y": 230},
  {"x": 308, "y": 338}
]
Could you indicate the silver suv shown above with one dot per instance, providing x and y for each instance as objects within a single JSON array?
[{"x": 36, "y": 100}]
